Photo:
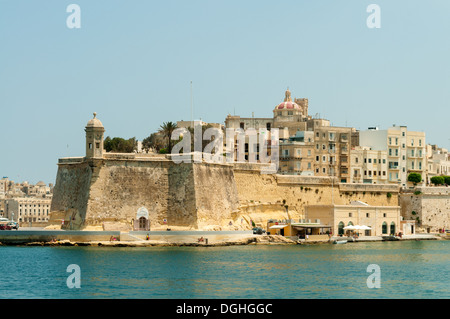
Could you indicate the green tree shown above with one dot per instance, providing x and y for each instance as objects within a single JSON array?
[
  {"x": 437, "y": 180},
  {"x": 120, "y": 145},
  {"x": 166, "y": 129},
  {"x": 414, "y": 178},
  {"x": 155, "y": 141},
  {"x": 447, "y": 180}
]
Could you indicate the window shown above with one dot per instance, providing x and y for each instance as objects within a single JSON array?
[
  {"x": 324, "y": 170},
  {"x": 97, "y": 145},
  {"x": 309, "y": 165},
  {"x": 367, "y": 214},
  {"x": 420, "y": 142},
  {"x": 341, "y": 228},
  {"x": 268, "y": 126},
  {"x": 242, "y": 124},
  {"x": 392, "y": 228},
  {"x": 384, "y": 228},
  {"x": 317, "y": 158},
  {"x": 90, "y": 146},
  {"x": 349, "y": 214},
  {"x": 370, "y": 160}
]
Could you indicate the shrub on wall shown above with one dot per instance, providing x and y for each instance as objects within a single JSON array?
[
  {"x": 414, "y": 178},
  {"x": 437, "y": 180}
]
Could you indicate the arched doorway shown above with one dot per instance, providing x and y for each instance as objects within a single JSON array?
[
  {"x": 392, "y": 228},
  {"x": 142, "y": 222},
  {"x": 341, "y": 228},
  {"x": 384, "y": 228}
]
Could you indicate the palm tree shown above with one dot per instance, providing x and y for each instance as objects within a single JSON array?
[{"x": 167, "y": 129}]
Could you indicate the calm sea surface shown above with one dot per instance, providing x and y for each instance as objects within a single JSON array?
[{"x": 410, "y": 269}]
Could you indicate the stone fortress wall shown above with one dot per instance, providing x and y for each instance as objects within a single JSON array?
[
  {"x": 109, "y": 191},
  {"x": 430, "y": 206}
]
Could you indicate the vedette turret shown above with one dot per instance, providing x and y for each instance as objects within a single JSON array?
[{"x": 94, "y": 138}]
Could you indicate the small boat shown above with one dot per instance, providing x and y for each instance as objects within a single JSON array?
[
  {"x": 343, "y": 241},
  {"x": 390, "y": 238}
]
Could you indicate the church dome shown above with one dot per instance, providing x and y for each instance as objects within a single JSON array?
[
  {"x": 288, "y": 104},
  {"x": 95, "y": 122}
]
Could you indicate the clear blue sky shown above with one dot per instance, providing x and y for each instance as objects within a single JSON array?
[{"x": 132, "y": 63}]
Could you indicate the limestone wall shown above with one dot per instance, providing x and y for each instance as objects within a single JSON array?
[
  {"x": 430, "y": 207},
  {"x": 216, "y": 194},
  {"x": 119, "y": 188},
  {"x": 197, "y": 196},
  {"x": 298, "y": 191},
  {"x": 71, "y": 192}
]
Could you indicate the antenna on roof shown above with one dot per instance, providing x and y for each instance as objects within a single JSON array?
[{"x": 192, "y": 108}]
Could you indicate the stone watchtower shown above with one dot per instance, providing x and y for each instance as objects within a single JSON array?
[{"x": 94, "y": 138}]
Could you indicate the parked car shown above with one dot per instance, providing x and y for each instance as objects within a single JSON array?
[
  {"x": 258, "y": 231},
  {"x": 13, "y": 225}
]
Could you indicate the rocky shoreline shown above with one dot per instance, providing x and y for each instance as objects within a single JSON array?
[
  {"x": 253, "y": 240},
  {"x": 261, "y": 240}
]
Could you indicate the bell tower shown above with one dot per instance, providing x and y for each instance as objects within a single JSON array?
[{"x": 94, "y": 138}]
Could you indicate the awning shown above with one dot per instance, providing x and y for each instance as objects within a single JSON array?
[
  {"x": 310, "y": 226},
  {"x": 277, "y": 226}
]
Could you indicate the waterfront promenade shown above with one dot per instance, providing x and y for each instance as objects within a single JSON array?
[{"x": 30, "y": 236}]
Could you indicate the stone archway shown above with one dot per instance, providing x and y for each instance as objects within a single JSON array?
[{"x": 142, "y": 221}]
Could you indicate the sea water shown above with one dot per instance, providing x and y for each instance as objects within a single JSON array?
[{"x": 407, "y": 269}]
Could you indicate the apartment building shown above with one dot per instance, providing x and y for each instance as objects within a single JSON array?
[
  {"x": 406, "y": 151},
  {"x": 368, "y": 166}
]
